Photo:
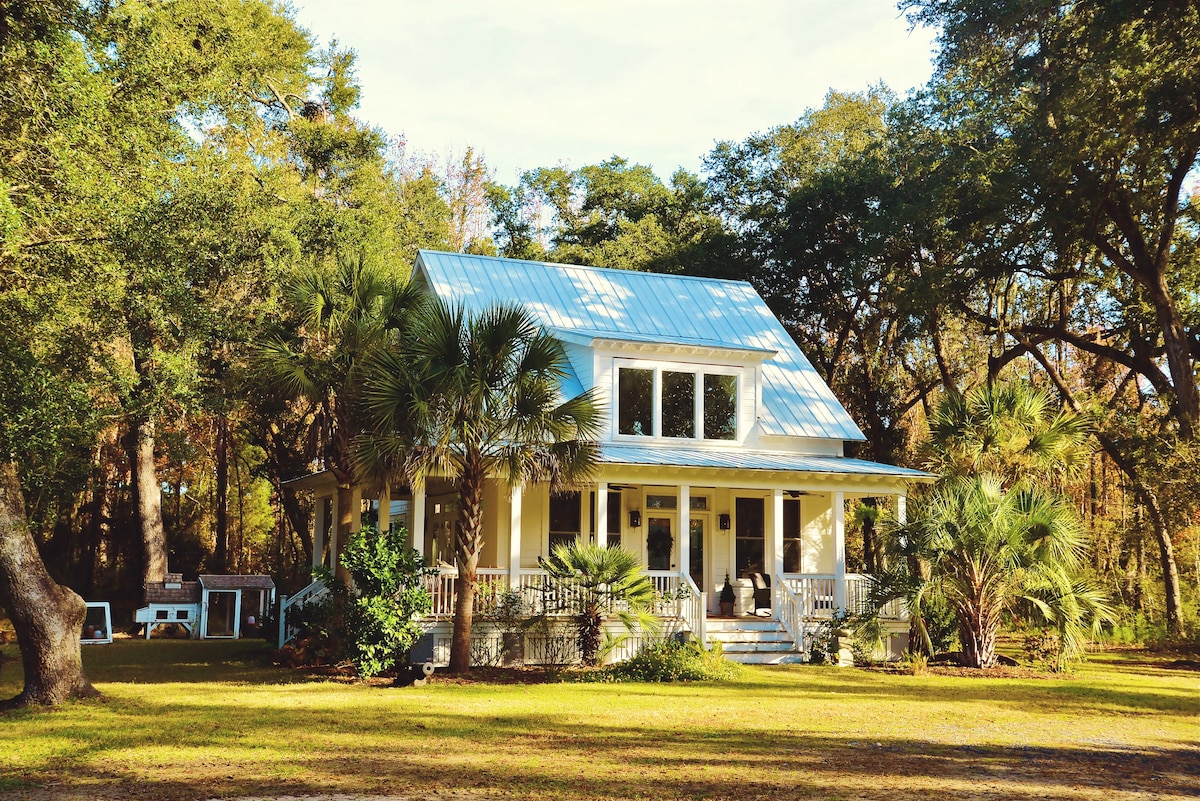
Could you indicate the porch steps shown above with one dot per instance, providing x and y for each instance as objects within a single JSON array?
[{"x": 753, "y": 641}]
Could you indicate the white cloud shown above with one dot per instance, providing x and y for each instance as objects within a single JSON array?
[{"x": 532, "y": 83}]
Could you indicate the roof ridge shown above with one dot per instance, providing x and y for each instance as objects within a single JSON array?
[{"x": 591, "y": 267}]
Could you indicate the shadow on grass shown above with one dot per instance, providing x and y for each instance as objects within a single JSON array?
[{"x": 545, "y": 756}]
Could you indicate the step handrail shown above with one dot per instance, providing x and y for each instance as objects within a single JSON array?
[
  {"x": 790, "y": 612},
  {"x": 312, "y": 592},
  {"x": 695, "y": 610}
]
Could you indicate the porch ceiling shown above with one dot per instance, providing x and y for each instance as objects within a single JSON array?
[{"x": 741, "y": 459}]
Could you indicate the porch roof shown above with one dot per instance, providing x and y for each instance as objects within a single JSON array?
[{"x": 742, "y": 459}]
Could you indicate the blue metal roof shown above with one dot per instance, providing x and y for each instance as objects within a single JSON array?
[
  {"x": 742, "y": 459},
  {"x": 635, "y": 306}
]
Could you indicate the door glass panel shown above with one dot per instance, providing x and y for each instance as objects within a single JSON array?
[
  {"x": 696, "y": 551},
  {"x": 658, "y": 543},
  {"x": 220, "y": 614}
]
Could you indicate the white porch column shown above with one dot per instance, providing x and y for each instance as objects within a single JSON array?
[
  {"x": 775, "y": 557},
  {"x": 839, "y": 550},
  {"x": 902, "y": 508},
  {"x": 385, "y": 507},
  {"x": 418, "y": 517},
  {"x": 602, "y": 514},
  {"x": 685, "y": 529},
  {"x": 335, "y": 515},
  {"x": 318, "y": 528},
  {"x": 514, "y": 538}
]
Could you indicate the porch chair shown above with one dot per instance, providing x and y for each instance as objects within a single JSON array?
[{"x": 762, "y": 594}]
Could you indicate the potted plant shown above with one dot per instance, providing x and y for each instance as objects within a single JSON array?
[{"x": 727, "y": 598}]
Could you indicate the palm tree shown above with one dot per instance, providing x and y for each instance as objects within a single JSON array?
[
  {"x": 990, "y": 552},
  {"x": 342, "y": 318},
  {"x": 594, "y": 580},
  {"x": 471, "y": 398},
  {"x": 1010, "y": 430}
]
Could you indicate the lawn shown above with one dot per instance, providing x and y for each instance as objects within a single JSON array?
[{"x": 195, "y": 720}]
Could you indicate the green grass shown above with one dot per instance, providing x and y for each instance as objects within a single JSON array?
[{"x": 184, "y": 720}]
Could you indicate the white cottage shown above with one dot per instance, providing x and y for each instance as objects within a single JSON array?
[{"x": 722, "y": 454}]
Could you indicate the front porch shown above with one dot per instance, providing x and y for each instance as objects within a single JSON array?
[
  {"x": 788, "y": 528},
  {"x": 784, "y": 631}
]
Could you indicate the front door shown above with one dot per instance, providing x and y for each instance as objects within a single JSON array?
[
  {"x": 659, "y": 541},
  {"x": 220, "y": 614},
  {"x": 696, "y": 550}
]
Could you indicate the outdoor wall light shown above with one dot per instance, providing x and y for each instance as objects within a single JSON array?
[
  {"x": 723, "y": 522},
  {"x": 635, "y": 519}
]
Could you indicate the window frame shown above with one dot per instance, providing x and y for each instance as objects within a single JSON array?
[{"x": 698, "y": 371}]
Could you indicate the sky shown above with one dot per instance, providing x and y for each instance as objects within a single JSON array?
[{"x": 533, "y": 83}]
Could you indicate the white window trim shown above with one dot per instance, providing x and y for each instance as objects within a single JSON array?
[{"x": 697, "y": 370}]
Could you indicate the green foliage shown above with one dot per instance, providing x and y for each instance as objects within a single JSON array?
[
  {"x": 389, "y": 595},
  {"x": 670, "y": 660},
  {"x": 591, "y": 581},
  {"x": 1010, "y": 430},
  {"x": 989, "y": 550},
  {"x": 472, "y": 397}
]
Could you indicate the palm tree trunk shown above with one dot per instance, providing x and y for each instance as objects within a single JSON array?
[
  {"x": 977, "y": 633},
  {"x": 47, "y": 617},
  {"x": 467, "y": 541}
]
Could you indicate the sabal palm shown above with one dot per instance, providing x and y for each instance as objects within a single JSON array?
[
  {"x": 594, "y": 580},
  {"x": 990, "y": 551},
  {"x": 341, "y": 318},
  {"x": 472, "y": 397},
  {"x": 1011, "y": 430}
]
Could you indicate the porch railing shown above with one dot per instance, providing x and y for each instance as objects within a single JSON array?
[
  {"x": 544, "y": 597},
  {"x": 817, "y": 595}
]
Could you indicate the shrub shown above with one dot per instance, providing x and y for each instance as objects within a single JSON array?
[
  {"x": 390, "y": 594},
  {"x": 670, "y": 660}
]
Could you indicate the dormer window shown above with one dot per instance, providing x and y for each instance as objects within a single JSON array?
[{"x": 677, "y": 402}]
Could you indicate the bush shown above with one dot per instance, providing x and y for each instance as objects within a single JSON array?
[
  {"x": 390, "y": 594},
  {"x": 669, "y": 660}
]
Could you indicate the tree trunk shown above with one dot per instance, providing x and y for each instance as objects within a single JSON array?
[
  {"x": 978, "y": 637},
  {"x": 149, "y": 503},
  {"x": 467, "y": 541},
  {"x": 47, "y": 617},
  {"x": 221, "y": 545},
  {"x": 1166, "y": 548},
  {"x": 345, "y": 499}
]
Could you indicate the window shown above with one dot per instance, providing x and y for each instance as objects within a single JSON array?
[
  {"x": 661, "y": 502},
  {"x": 749, "y": 535},
  {"x": 791, "y": 536},
  {"x": 679, "y": 404},
  {"x": 720, "y": 406},
  {"x": 635, "y": 394},
  {"x": 564, "y": 519}
]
